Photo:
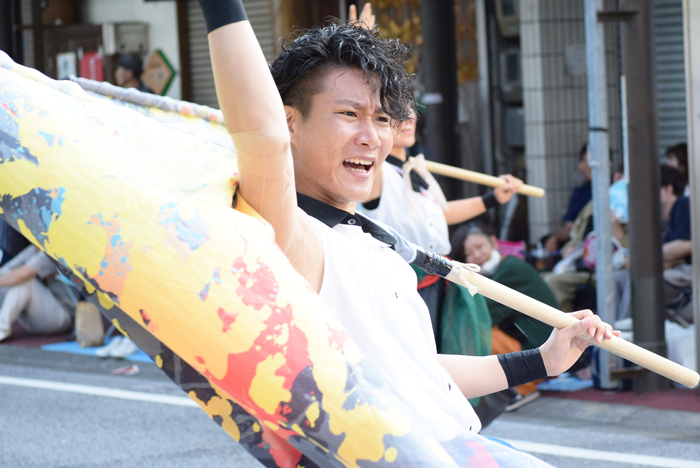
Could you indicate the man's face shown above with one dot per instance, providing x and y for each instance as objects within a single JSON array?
[
  {"x": 477, "y": 249},
  {"x": 122, "y": 76},
  {"x": 667, "y": 198},
  {"x": 344, "y": 139},
  {"x": 584, "y": 168},
  {"x": 405, "y": 134}
]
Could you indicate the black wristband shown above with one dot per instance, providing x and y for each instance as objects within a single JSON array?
[
  {"x": 489, "y": 200},
  {"x": 433, "y": 263},
  {"x": 522, "y": 367},
  {"x": 219, "y": 13}
]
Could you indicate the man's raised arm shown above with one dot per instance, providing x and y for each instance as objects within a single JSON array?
[{"x": 254, "y": 115}]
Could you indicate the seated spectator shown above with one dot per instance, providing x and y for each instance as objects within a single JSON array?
[
  {"x": 677, "y": 245},
  {"x": 676, "y": 251},
  {"x": 579, "y": 199},
  {"x": 576, "y": 271},
  {"x": 33, "y": 296},
  {"x": 512, "y": 330},
  {"x": 675, "y": 212},
  {"x": 128, "y": 73}
]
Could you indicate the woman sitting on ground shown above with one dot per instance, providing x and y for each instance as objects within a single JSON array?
[{"x": 512, "y": 330}]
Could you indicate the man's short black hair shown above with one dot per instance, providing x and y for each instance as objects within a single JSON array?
[
  {"x": 672, "y": 176},
  {"x": 460, "y": 235},
  {"x": 131, "y": 62},
  {"x": 680, "y": 151},
  {"x": 298, "y": 69},
  {"x": 583, "y": 151}
]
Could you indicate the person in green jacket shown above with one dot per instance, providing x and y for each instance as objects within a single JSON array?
[{"x": 512, "y": 330}]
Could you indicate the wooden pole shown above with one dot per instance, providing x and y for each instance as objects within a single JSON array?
[
  {"x": 478, "y": 178},
  {"x": 559, "y": 319}
]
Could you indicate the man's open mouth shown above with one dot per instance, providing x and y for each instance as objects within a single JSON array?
[{"x": 358, "y": 165}]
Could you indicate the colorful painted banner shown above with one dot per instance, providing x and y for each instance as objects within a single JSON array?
[{"x": 140, "y": 214}]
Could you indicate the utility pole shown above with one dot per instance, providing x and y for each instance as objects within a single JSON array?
[
  {"x": 646, "y": 265},
  {"x": 439, "y": 78},
  {"x": 599, "y": 161}
]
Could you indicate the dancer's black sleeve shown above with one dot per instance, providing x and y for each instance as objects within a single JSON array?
[
  {"x": 489, "y": 200},
  {"x": 219, "y": 13},
  {"x": 522, "y": 367}
]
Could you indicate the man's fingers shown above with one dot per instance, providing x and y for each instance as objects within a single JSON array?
[
  {"x": 352, "y": 14},
  {"x": 366, "y": 16},
  {"x": 513, "y": 183},
  {"x": 581, "y": 314},
  {"x": 598, "y": 329}
]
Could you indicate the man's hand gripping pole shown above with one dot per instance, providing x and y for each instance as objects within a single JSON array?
[{"x": 467, "y": 275}]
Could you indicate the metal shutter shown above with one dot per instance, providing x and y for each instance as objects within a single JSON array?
[
  {"x": 670, "y": 72},
  {"x": 202, "y": 80}
]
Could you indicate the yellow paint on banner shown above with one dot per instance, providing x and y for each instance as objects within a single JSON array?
[
  {"x": 312, "y": 413},
  {"x": 105, "y": 301},
  {"x": 115, "y": 322},
  {"x": 266, "y": 388},
  {"x": 217, "y": 406}
]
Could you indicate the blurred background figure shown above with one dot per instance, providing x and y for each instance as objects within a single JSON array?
[
  {"x": 32, "y": 295},
  {"x": 579, "y": 199},
  {"x": 128, "y": 73},
  {"x": 512, "y": 330}
]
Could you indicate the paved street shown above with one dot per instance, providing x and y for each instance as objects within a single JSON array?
[
  {"x": 146, "y": 421},
  {"x": 613, "y": 436}
]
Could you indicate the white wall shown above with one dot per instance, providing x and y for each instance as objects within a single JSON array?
[{"x": 162, "y": 30}]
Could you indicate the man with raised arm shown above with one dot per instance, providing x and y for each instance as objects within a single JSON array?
[{"x": 316, "y": 138}]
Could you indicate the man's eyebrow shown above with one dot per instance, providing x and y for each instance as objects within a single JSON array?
[
  {"x": 349, "y": 102},
  {"x": 358, "y": 105}
]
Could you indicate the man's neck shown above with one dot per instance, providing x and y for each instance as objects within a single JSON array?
[
  {"x": 398, "y": 152},
  {"x": 348, "y": 206},
  {"x": 667, "y": 207},
  {"x": 132, "y": 83}
]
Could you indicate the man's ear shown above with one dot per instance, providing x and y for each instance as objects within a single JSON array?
[{"x": 293, "y": 116}]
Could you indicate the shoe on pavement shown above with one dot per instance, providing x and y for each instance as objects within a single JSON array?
[
  {"x": 521, "y": 400},
  {"x": 124, "y": 349},
  {"x": 106, "y": 350}
]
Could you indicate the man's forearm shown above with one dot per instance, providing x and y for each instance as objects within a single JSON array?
[
  {"x": 565, "y": 231},
  {"x": 463, "y": 210},
  {"x": 676, "y": 250},
  {"x": 254, "y": 115},
  {"x": 245, "y": 89},
  {"x": 475, "y": 375}
]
